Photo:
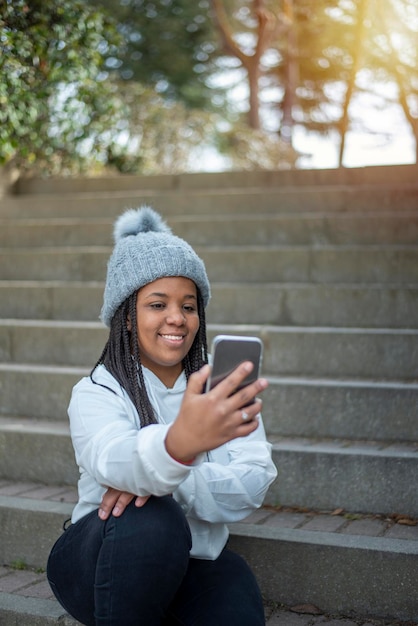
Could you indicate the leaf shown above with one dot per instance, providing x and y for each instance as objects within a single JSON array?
[
  {"x": 407, "y": 521},
  {"x": 337, "y": 511}
]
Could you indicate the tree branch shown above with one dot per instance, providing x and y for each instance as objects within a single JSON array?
[{"x": 221, "y": 20}]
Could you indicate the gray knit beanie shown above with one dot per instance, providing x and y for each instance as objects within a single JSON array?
[{"x": 145, "y": 249}]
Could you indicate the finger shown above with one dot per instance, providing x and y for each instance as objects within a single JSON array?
[
  {"x": 249, "y": 412},
  {"x": 233, "y": 381},
  {"x": 198, "y": 379},
  {"x": 114, "y": 502},
  {"x": 121, "y": 504},
  {"x": 247, "y": 396},
  {"x": 246, "y": 423},
  {"x": 110, "y": 497},
  {"x": 141, "y": 500}
]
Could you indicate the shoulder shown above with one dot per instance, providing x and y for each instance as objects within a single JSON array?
[
  {"x": 102, "y": 398},
  {"x": 101, "y": 384}
]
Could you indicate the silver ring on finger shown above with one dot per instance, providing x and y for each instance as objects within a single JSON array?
[{"x": 244, "y": 416}]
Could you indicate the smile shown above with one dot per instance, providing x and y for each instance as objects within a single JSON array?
[{"x": 173, "y": 337}]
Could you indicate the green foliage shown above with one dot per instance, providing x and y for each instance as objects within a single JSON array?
[
  {"x": 55, "y": 106},
  {"x": 250, "y": 149},
  {"x": 19, "y": 564},
  {"x": 170, "y": 45},
  {"x": 167, "y": 137},
  {"x": 160, "y": 136}
]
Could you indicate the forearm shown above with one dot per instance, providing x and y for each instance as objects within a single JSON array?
[
  {"x": 215, "y": 492},
  {"x": 134, "y": 461}
]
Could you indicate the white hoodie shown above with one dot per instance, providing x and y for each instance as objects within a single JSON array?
[{"x": 112, "y": 450}]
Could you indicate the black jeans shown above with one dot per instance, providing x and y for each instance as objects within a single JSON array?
[{"x": 136, "y": 570}]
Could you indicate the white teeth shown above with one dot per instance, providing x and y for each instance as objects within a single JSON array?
[{"x": 173, "y": 337}]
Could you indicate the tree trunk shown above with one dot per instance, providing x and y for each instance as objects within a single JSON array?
[
  {"x": 291, "y": 76},
  {"x": 268, "y": 26},
  {"x": 8, "y": 178},
  {"x": 358, "y": 45},
  {"x": 254, "y": 103}
]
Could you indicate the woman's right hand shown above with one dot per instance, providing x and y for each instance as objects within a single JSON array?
[{"x": 208, "y": 420}]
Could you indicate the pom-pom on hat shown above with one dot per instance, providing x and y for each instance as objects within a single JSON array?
[{"x": 145, "y": 250}]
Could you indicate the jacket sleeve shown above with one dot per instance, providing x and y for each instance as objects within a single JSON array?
[
  {"x": 232, "y": 482},
  {"x": 109, "y": 445}
]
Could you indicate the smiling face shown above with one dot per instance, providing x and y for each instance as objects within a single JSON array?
[{"x": 167, "y": 323}]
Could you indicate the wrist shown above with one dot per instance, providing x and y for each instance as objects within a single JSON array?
[
  {"x": 186, "y": 462},
  {"x": 178, "y": 451}
]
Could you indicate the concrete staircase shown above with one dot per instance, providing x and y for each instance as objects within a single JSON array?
[{"x": 323, "y": 265}]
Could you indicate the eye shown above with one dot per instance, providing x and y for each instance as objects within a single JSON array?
[
  {"x": 189, "y": 308},
  {"x": 157, "y": 305}
]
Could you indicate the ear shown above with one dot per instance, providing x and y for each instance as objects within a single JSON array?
[{"x": 129, "y": 323}]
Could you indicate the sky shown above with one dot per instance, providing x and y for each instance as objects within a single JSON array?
[
  {"x": 361, "y": 150},
  {"x": 388, "y": 140}
]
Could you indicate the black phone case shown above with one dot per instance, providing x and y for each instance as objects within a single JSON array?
[{"x": 228, "y": 352}]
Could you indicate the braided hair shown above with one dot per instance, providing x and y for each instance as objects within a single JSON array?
[{"x": 121, "y": 356}]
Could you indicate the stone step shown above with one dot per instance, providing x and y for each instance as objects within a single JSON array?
[
  {"x": 287, "y": 304},
  {"x": 341, "y": 409},
  {"x": 317, "y": 264},
  {"x": 250, "y": 200},
  {"x": 293, "y": 406},
  {"x": 38, "y": 392},
  {"x": 288, "y": 351},
  {"x": 37, "y": 451},
  {"x": 375, "y": 477},
  {"x": 392, "y": 227},
  {"x": 29, "y": 510},
  {"x": 292, "y": 552},
  {"x": 358, "y": 476},
  {"x": 332, "y": 565},
  {"x": 18, "y": 609},
  {"x": 377, "y": 175}
]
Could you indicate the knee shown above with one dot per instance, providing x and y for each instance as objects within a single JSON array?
[{"x": 160, "y": 522}]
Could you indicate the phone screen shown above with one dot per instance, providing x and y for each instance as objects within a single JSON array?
[{"x": 228, "y": 351}]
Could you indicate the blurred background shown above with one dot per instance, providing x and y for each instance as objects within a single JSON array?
[{"x": 168, "y": 86}]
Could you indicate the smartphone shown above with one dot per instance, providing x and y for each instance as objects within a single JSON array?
[{"x": 228, "y": 351}]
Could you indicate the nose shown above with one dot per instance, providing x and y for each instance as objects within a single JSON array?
[{"x": 176, "y": 316}]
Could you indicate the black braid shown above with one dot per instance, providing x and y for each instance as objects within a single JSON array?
[
  {"x": 121, "y": 356},
  {"x": 197, "y": 356}
]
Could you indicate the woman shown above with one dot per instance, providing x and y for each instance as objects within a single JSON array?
[{"x": 163, "y": 466}]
